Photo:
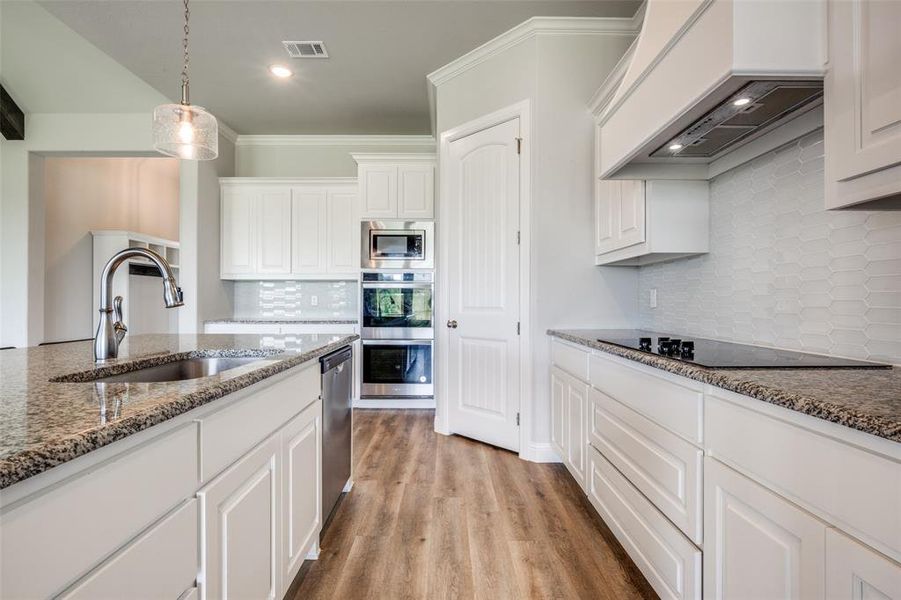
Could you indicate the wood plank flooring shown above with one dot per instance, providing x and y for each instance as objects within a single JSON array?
[{"x": 437, "y": 517}]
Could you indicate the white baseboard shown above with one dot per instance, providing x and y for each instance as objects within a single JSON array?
[
  {"x": 394, "y": 403},
  {"x": 540, "y": 452},
  {"x": 313, "y": 554},
  {"x": 348, "y": 486}
]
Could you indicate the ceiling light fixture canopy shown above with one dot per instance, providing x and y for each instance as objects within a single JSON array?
[{"x": 183, "y": 130}]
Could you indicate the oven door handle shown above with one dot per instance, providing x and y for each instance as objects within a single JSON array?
[{"x": 397, "y": 342}]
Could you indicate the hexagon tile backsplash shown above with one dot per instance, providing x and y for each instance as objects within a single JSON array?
[{"x": 782, "y": 271}]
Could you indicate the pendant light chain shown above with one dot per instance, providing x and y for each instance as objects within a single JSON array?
[{"x": 185, "y": 99}]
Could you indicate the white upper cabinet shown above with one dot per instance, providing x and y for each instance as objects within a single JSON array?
[
  {"x": 290, "y": 229},
  {"x": 863, "y": 104},
  {"x": 642, "y": 222},
  {"x": 396, "y": 186}
]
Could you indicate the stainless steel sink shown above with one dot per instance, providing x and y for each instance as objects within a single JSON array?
[{"x": 180, "y": 370}]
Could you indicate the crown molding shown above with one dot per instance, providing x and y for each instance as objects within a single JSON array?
[
  {"x": 289, "y": 180},
  {"x": 530, "y": 28},
  {"x": 335, "y": 140},
  {"x": 393, "y": 157},
  {"x": 227, "y": 132}
]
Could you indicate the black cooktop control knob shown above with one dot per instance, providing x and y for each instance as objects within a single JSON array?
[
  {"x": 688, "y": 349},
  {"x": 644, "y": 344},
  {"x": 660, "y": 345},
  {"x": 674, "y": 345}
]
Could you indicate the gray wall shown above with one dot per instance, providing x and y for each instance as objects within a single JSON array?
[{"x": 782, "y": 271}]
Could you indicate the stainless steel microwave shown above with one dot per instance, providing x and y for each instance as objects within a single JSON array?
[{"x": 398, "y": 245}]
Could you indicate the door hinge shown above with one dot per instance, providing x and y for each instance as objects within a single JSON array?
[
  {"x": 519, "y": 237},
  {"x": 517, "y": 419},
  {"x": 517, "y": 327},
  {"x": 519, "y": 145}
]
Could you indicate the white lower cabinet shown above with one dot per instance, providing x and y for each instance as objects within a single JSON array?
[
  {"x": 854, "y": 572},
  {"x": 240, "y": 511},
  {"x": 757, "y": 544},
  {"x": 569, "y": 400},
  {"x": 165, "y": 556},
  {"x": 669, "y": 561},
  {"x": 302, "y": 492}
]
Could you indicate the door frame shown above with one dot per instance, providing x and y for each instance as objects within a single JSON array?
[{"x": 521, "y": 110}]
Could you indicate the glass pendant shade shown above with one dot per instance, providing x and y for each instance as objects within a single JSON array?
[{"x": 185, "y": 131}]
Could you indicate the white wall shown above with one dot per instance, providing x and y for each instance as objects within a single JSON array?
[
  {"x": 83, "y": 194},
  {"x": 557, "y": 73},
  {"x": 306, "y": 159}
]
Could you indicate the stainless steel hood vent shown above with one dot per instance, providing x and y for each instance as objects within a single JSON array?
[{"x": 749, "y": 111}]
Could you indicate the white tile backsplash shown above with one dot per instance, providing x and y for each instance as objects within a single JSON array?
[
  {"x": 782, "y": 271},
  {"x": 294, "y": 299}
]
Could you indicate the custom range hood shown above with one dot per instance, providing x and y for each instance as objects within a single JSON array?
[{"x": 705, "y": 77}]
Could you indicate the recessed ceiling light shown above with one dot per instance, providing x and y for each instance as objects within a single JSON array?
[
  {"x": 742, "y": 101},
  {"x": 675, "y": 146},
  {"x": 280, "y": 71}
]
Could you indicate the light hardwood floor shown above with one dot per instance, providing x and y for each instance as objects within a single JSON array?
[{"x": 446, "y": 517}]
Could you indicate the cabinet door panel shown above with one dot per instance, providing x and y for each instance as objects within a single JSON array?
[
  {"x": 631, "y": 228},
  {"x": 301, "y": 447},
  {"x": 607, "y": 194},
  {"x": 416, "y": 191},
  {"x": 238, "y": 250},
  {"x": 240, "y": 512},
  {"x": 343, "y": 232},
  {"x": 558, "y": 402},
  {"x": 378, "y": 190},
  {"x": 163, "y": 559},
  {"x": 577, "y": 399},
  {"x": 308, "y": 231},
  {"x": 854, "y": 572},
  {"x": 757, "y": 544},
  {"x": 274, "y": 235}
]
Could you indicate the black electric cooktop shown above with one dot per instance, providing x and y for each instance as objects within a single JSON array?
[{"x": 723, "y": 355}]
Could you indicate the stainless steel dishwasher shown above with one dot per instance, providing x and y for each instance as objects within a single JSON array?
[{"x": 337, "y": 386}]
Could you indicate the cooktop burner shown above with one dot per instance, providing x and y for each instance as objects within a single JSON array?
[{"x": 723, "y": 355}]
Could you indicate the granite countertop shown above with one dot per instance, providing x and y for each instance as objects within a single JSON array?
[
  {"x": 45, "y": 423},
  {"x": 868, "y": 400},
  {"x": 289, "y": 321}
]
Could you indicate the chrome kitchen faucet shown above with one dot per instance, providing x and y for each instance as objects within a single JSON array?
[{"x": 109, "y": 332}]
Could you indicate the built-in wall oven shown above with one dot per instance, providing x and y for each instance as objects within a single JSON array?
[
  {"x": 397, "y": 245},
  {"x": 397, "y": 328},
  {"x": 397, "y": 369}
]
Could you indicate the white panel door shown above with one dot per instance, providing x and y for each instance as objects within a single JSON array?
[
  {"x": 241, "y": 515},
  {"x": 308, "y": 234},
  {"x": 631, "y": 227},
  {"x": 378, "y": 191},
  {"x": 854, "y": 572},
  {"x": 607, "y": 194},
  {"x": 238, "y": 250},
  {"x": 302, "y": 465},
  {"x": 274, "y": 236},
  {"x": 416, "y": 191},
  {"x": 343, "y": 232},
  {"x": 757, "y": 544},
  {"x": 558, "y": 411},
  {"x": 482, "y": 262}
]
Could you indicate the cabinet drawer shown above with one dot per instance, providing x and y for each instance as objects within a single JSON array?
[
  {"x": 61, "y": 534},
  {"x": 671, "y": 564},
  {"x": 231, "y": 432},
  {"x": 663, "y": 466},
  {"x": 164, "y": 560},
  {"x": 854, "y": 571},
  {"x": 572, "y": 360},
  {"x": 675, "y": 406},
  {"x": 854, "y": 489}
]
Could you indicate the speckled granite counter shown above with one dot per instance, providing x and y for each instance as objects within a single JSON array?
[
  {"x": 868, "y": 400},
  {"x": 287, "y": 321},
  {"x": 44, "y": 424}
]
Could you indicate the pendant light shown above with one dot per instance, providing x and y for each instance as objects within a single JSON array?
[{"x": 183, "y": 130}]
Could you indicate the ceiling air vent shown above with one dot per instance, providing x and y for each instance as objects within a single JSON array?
[{"x": 306, "y": 49}]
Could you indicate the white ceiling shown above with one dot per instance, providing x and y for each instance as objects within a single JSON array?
[{"x": 373, "y": 83}]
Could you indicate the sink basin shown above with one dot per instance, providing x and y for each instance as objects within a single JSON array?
[{"x": 181, "y": 370}]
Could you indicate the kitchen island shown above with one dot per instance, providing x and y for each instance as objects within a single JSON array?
[{"x": 108, "y": 475}]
